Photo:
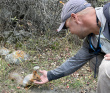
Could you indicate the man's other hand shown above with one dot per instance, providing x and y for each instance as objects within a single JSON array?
[{"x": 107, "y": 56}]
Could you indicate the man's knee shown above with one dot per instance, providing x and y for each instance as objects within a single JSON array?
[
  {"x": 104, "y": 69},
  {"x": 104, "y": 77}
]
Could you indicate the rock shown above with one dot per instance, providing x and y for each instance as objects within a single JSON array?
[
  {"x": 17, "y": 57},
  {"x": 4, "y": 51},
  {"x": 36, "y": 68}
]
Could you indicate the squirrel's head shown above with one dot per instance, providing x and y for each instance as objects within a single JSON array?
[{"x": 36, "y": 76}]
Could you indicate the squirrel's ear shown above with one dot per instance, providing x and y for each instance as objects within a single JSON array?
[{"x": 34, "y": 72}]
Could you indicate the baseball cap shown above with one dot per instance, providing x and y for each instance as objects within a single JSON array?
[{"x": 72, "y": 6}]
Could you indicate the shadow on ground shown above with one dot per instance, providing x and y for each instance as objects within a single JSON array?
[{"x": 57, "y": 90}]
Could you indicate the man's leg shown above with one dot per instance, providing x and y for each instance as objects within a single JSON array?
[
  {"x": 104, "y": 77},
  {"x": 93, "y": 62}
]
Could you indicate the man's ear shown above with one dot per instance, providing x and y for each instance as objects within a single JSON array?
[{"x": 75, "y": 17}]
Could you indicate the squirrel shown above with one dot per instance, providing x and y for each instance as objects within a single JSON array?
[{"x": 28, "y": 80}]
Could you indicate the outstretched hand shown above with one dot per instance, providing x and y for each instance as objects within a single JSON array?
[
  {"x": 43, "y": 78},
  {"x": 107, "y": 56}
]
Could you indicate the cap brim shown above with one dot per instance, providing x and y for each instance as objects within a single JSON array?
[
  {"x": 61, "y": 27},
  {"x": 106, "y": 31}
]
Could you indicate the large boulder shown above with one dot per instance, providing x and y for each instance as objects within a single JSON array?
[{"x": 17, "y": 57}]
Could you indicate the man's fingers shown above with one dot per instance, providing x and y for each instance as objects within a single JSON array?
[
  {"x": 41, "y": 71},
  {"x": 36, "y": 82},
  {"x": 44, "y": 72},
  {"x": 107, "y": 58},
  {"x": 107, "y": 55}
]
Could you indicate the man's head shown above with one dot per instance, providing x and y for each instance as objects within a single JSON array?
[
  {"x": 72, "y": 6},
  {"x": 82, "y": 23}
]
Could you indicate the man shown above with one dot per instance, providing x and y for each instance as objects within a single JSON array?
[{"x": 89, "y": 24}]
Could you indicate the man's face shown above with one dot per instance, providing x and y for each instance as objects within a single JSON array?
[{"x": 75, "y": 27}]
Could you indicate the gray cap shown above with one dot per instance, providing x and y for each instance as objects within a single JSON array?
[{"x": 72, "y": 6}]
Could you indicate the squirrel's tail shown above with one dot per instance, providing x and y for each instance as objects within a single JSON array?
[{"x": 17, "y": 77}]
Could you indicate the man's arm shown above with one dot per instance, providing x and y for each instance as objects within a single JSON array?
[{"x": 70, "y": 66}]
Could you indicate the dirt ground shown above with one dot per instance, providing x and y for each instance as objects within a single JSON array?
[
  {"x": 57, "y": 90},
  {"x": 84, "y": 84}
]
